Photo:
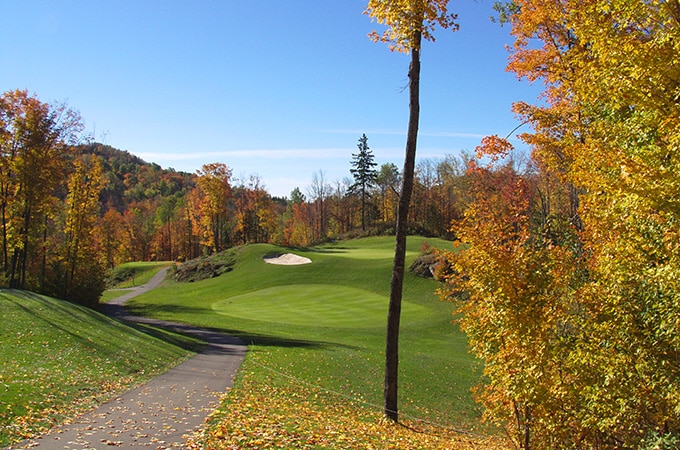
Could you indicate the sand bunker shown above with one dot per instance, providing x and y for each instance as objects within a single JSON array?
[{"x": 287, "y": 259}]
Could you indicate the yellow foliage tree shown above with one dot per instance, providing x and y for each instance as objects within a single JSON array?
[
  {"x": 211, "y": 201},
  {"x": 85, "y": 262},
  {"x": 35, "y": 145},
  {"x": 512, "y": 281},
  {"x": 609, "y": 130}
]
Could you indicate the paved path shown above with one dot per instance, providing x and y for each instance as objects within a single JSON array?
[{"x": 160, "y": 413}]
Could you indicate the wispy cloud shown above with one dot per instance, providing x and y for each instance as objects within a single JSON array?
[
  {"x": 452, "y": 134},
  {"x": 267, "y": 154},
  {"x": 359, "y": 132}
]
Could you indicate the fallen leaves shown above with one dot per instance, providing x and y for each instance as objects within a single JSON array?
[
  {"x": 260, "y": 415},
  {"x": 58, "y": 359}
]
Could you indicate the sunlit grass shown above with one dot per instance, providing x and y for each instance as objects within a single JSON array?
[
  {"x": 137, "y": 273},
  {"x": 130, "y": 275},
  {"x": 269, "y": 415},
  {"x": 58, "y": 359},
  {"x": 318, "y": 305},
  {"x": 304, "y": 323}
]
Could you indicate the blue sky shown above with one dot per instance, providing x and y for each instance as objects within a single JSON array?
[{"x": 278, "y": 88}]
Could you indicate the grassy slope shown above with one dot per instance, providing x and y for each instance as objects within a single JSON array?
[
  {"x": 339, "y": 352},
  {"x": 134, "y": 274},
  {"x": 57, "y": 358}
]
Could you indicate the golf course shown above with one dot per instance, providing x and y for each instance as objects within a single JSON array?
[
  {"x": 318, "y": 329},
  {"x": 315, "y": 361}
]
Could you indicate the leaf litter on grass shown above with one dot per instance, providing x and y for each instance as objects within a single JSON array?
[
  {"x": 261, "y": 415},
  {"x": 58, "y": 359}
]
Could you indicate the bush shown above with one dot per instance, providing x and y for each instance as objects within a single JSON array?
[
  {"x": 119, "y": 275},
  {"x": 424, "y": 265},
  {"x": 431, "y": 263},
  {"x": 206, "y": 267}
]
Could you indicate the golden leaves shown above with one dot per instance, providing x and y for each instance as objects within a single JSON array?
[
  {"x": 406, "y": 20},
  {"x": 260, "y": 415},
  {"x": 610, "y": 129}
]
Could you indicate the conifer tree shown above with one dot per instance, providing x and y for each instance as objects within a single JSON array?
[{"x": 364, "y": 174}]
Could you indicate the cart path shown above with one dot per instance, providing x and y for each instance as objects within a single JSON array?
[{"x": 161, "y": 413}]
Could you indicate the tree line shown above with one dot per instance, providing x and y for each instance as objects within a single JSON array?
[{"x": 71, "y": 209}]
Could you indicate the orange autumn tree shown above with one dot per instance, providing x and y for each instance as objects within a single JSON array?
[
  {"x": 407, "y": 22},
  {"x": 511, "y": 281},
  {"x": 608, "y": 133},
  {"x": 110, "y": 226},
  {"x": 254, "y": 216},
  {"x": 298, "y": 222}
]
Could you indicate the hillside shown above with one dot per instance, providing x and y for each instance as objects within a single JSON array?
[
  {"x": 57, "y": 359},
  {"x": 130, "y": 179}
]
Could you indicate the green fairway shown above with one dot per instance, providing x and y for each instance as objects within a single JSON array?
[
  {"x": 58, "y": 359},
  {"x": 349, "y": 250},
  {"x": 130, "y": 275},
  {"x": 320, "y": 305},
  {"x": 324, "y": 323}
]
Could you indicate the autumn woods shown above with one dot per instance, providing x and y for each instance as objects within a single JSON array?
[{"x": 49, "y": 201}]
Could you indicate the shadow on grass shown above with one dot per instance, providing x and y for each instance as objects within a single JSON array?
[
  {"x": 335, "y": 249},
  {"x": 49, "y": 308},
  {"x": 175, "y": 338},
  {"x": 145, "y": 310},
  {"x": 139, "y": 312},
  {"x": 264, "y": 340}
]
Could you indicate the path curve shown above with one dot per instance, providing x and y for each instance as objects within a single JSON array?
[{"x": 161, "y": 413}]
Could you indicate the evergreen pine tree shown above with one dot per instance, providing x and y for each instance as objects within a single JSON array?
[{"x": 364, "y": 174}]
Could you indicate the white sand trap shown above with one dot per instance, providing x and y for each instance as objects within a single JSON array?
[{"x": 287, "y": 259}]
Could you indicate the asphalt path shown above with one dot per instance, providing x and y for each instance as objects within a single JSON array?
[{"x": 163, "y": 412}]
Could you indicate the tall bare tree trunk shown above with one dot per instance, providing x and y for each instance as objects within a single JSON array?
[{"x": 394, "y": 313}]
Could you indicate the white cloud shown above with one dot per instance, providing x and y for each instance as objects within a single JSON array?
[
  {"x": 383, "y": 132},
  {"x": 268, "y": 154}
]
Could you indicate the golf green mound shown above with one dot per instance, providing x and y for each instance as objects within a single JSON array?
[
  {"x": 362, "y": 253},
  {"x": 316, "y": 305}
]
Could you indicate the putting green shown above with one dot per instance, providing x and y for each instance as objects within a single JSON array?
[
  {"x": 316, "y": 305},
  {"x": 362, "y": 253}
]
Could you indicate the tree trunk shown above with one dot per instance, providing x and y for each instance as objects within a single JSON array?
[
  {"x": 23, "y": 261},
  {"x": 394, "y": 313},
  {"x": 43, "y": 269},
  {"x": 3, "y": 214},
  {"x": 363, "y": 208}
]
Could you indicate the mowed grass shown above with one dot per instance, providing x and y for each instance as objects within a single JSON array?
[
  {"x": 323, "y": 325},
  {"x": 320, "y": 305},
  {"x": 141, "y": 272},
  {"x": 133, "y": 274},
  {"x": 57, "y": 359}
]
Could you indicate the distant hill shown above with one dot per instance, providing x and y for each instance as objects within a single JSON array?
[{"x": 131, "y": 179}]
